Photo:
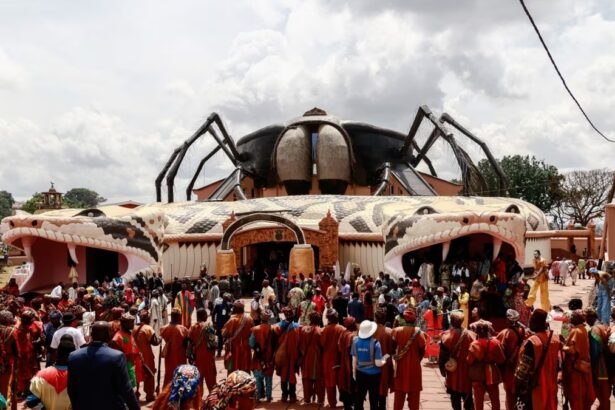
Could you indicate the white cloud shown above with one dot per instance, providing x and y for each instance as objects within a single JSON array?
[
  {"x": 12, "y": 75},
  {"x": 100, "y": 96}
]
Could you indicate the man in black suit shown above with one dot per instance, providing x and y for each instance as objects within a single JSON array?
[{"x": 98, "y": 376}]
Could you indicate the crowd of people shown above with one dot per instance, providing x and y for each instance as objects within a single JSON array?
[{"x": 342, "y": 340}]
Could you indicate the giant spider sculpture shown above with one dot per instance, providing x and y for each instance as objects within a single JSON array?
[{"x": 337, "y": 152}]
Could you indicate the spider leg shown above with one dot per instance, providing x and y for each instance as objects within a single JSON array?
[
  {"x": 426, "y": 160},
  {"x": 198, "y": 171},
  {"x": 163, "y": 172},
  {"x": 473, "y": 181},
  {"x": 384, "y": 179},
  {"x": 421, "y": 113},
  {"x": 503, "y": 181},
  {"x": 225, "y": 143}
]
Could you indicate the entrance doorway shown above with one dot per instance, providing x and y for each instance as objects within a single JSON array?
[
  {"x": 270, "y": 256},
  {"x": 100, "y": 263}
]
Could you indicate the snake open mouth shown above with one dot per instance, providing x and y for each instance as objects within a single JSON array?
[
  {"x": 436, "y": 236},
  {"x": 86, "y": 248}
]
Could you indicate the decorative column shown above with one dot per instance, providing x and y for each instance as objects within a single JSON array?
[
  {"x": 329, "y": 250},
  {"x": 226, "y": 259},
  {"x": 591, "y": 240}
]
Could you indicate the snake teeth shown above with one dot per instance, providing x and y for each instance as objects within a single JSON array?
[
  {"x": 497, "y": 244},
  {"x": 445, "y": 248},
  {"x": 73, "y": 253}
]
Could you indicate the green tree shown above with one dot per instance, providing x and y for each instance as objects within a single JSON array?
[
  {"x": 82, "y": 198},
  {"x": 6, "y": 204},
  {"x": 528, "y": 178},
  {"x": 33, "y": 204}
]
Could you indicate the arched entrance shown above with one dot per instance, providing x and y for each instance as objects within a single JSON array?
[
  {"x": 239, "y": 245},
  {"x": 250, "y": 219}
]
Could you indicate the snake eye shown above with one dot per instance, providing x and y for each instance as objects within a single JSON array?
[
  {"x": 513, "y": 209},
  {"x": 12, "y": 224},
  {"x": 465, "y": 220},
  {"x": 492, "y": 218},
  {"x": 34, "y": 223},
  {"x": 425, "y": 210}
]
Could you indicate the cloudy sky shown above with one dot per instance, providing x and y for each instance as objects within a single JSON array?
[{"x": 97, "y": 94}]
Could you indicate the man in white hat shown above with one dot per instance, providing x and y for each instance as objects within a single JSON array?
[{"x": 367, "y": 360}]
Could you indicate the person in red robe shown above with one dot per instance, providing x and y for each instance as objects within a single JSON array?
[
  {"x": 145, "y": 337},
  {"x": 202, "y": 339},
  {"x": 236, "y": 333},
  {"x": 331, "y": 357},
  {"x": 484, "y": 356},
  {"x": 124, "y": 342},
  {"x": 511, "y": 339},
  {"x": 261, "y": 342},
  {"x": 578, "y": 383},
  {"x": 543, "y": 394},
  {"x": 345, "y": 380},
  {"x": 28, "y": 337},
  {"x": 64, "y": 304},
  {"x": 320, "y": 301},
  {"x": 175, "y": 338},
  {"x": 433, "y": 319},
  {"x": 598, "y": 347},
  {"x": 410, "y": 348},
  {"x": 310, "y": 352},
  {"x": 383, "y": 335},
  {"x": 457, "y": 343},
  {"x": 286, "y": 356},
  {"x": 8, "y": 356}
]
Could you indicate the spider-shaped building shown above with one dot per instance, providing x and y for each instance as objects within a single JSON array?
[{"x": 320, "y": 154}]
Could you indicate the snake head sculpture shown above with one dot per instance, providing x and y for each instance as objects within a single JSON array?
[
  {"x": 405, "y": 232},
  {"x": 62, "y": 238}
]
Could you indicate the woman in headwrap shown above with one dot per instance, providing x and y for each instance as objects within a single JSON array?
[
  {"x": 185, "y": 391},
  {"x": 124, "y": 341}
]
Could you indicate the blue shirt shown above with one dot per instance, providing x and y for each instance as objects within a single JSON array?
[
  {"x": 361, "y": 349},
  {"x": 356, "y": 310}
]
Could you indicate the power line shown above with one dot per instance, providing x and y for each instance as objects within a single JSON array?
[{"x": 529, "y": 16}]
